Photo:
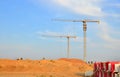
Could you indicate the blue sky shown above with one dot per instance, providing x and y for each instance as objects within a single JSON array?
[{"x": 22, "y": 22}]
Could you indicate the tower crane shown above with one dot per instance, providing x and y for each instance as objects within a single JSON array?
[
  {"x": 68, "y": 41},
  {"x": 84, "y": 31}
]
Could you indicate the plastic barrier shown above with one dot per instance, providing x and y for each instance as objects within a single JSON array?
[
  {"x": 96, "y": 69},
  {"x": 106, "y": 69},
  {"x": 113, "y": 68}
]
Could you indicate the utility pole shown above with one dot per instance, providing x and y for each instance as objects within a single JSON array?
[
  {"x": 68, "y": 41},
  {"x": 84, "y": 31}
]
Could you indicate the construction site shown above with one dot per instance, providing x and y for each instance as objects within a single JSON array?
[
  {"x": 59, "y": 38},
  {"x": 63, "y": 67}
]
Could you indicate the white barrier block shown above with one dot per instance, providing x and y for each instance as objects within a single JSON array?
[
  {"x": 88, "y": 73},
  {"x": 117, "y": 68}
]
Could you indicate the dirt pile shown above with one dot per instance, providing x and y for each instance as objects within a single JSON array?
[
  {"x": 80, "y": 65},
  {"x": 60, "y": 66}
]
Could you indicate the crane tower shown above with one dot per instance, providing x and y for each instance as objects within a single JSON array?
[
  {"x": 68, "y": 41},
  {"x": 84, "y": 31}
]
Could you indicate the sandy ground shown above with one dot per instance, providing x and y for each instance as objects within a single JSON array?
[{"x": 43, "y": 68}]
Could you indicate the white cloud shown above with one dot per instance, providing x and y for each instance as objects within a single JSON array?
[
  {"x": 117, "y": 5},
  {"x": 116, "y": 15},
  {"x": 105, "y": 31},
  {"x": 48, "y": 33},
  {"x": 65, "y": 33},
  {"x": 45, "y": 34},
  {"x": 85, "y": 7},
  {"x": 105, "y": 34},
  {"x": 78, "y": 39},
  {"x": 111, "y": 8}
]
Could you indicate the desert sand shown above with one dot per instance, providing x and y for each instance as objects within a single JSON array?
[{"x": 62, "y": 67}]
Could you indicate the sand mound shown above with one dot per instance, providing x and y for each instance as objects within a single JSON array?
[
  {"x": 73, "y": 60},
  {"x": 80, "y": 64},
  {"x": 61, "y": 66}
]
